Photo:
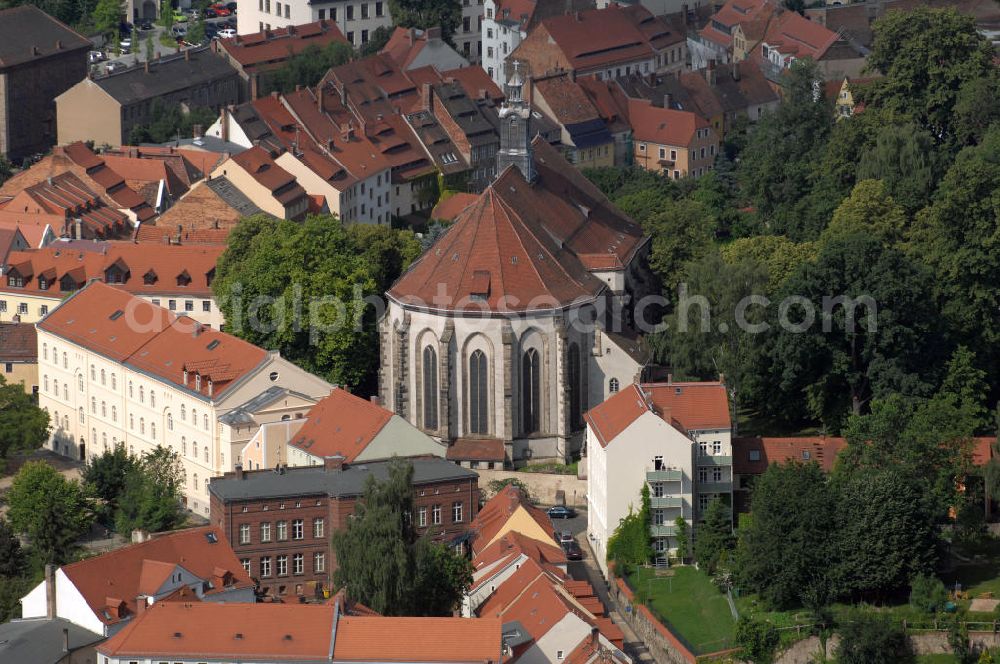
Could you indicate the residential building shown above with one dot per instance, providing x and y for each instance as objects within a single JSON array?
[
  {"x": 40, "y": 58},
  {"x": 116, "y": 368},
  {"x": 161, "y": 175},
  {"x": 674, "y": 438},
  {"x": 298, "y": 633},
  {"x": 280, "y": 521},
  {"x": 541, "y": 246},
  {"x": 11, "y": 239},
  {"x": 205, "y": 215},
  {"x": 507, "y": 22},
  {"x": 47, "y": 641},
  {"x": 105, "y": 593},
  {"x": 841, "y": 93},
  {"x": 677, "y": 143},
  {"x": 268, "y": 186},
  {"x": 585, "y": 137},
  {"x": 24, "y": 231},
  {"x": 612, "y": 106},
  {"x": 49, "y": 208},
  {"x": 752, "y": 456},
  {"x": 467, "y": 126},
  {"x": 605, "y": 43},
  {"x": 477, "y": 83},
  {"x": 126, "y": 99},
  {"x": 176, "y": 277},
  {"x": 715, "y": 41},
  {"x": 357, "y": 20},
  {"x": 255, "y": 54},
  {"x": 68, "y": 205},
  {"x": 411, "y": 48},
  {"x": 19, "y": 355}
]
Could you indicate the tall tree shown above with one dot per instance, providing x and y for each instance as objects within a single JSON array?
[
  {"x": 105, "y": 477},
  {"x": 150, "y": 498},
  {"x": 715, "y": 537},
  {"x": 777, "y": 253},
  {"x": 784, "y": 550},
  {"x": 441, "y": 578},
  {"x": 965, "y": 384},
  {"x": 23, "y": 425},
  {"x": 425, "y": 14},
  {"x": 631, "y": 543},
  {"x": 317, "y": 273},
  {"x": 12, "y": 559},
  {"x": 869, "y": 210},
  {"x": 873, "y": 638},
  {"x": 49, "y": 509},
  {"x": 906, "y": 158},
  {"x": 107, "y": 17},
  {"x": 682, "y": 231}
]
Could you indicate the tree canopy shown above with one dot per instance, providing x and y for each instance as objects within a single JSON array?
[
  {"x": 23, "y": 425},
  {"x": 51, "y": 511}
]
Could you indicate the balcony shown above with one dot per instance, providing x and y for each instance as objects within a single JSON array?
[
  {"x": 662, "y": 531},
  {"x": 715, "y": 460},
  {"x": 664, "y": 475},
  {"x": 715, "y": 487},
  {"x": 664, "y": 502}
]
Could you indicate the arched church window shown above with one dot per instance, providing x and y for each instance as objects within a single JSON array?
[
  {"x": 478, "y": 402},
  {"x": 530, "y": 385},
  {"x": 430, "y": 388},
  {"x": 575, "y": 406},
  {"x": 613, "y": 385}
]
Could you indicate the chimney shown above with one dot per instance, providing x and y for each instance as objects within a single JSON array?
[
  {"x": 140, "y": 605},
  {"x": 298, "y": 87},
  {"x": 411, "y": 35},
  {"x": 50, "y": 591},
  {"x": 375, "y": 400},
  {"x": 427, "y": 95},
  {"x": 225, "y": 124},
  {"x": 274, "y": 94},
  {"x": 332, "y": 463},
  {"x": 595, "y": 638},
  {"x": 253, "y": 86},
  {"x": 211, "y": 386},
  {"x": 145, "y": 66},
  {"x": 684, "y": 11},
  {"x": 710, "y": 72},
  {"x": 668, "y": 100},
  {"x": 65, "y": 639},
  {"x": 722, "y": 378},
  {"x": 186, "y": 377},
  {"x": 240, "y": 475},
  {"x": 197, "y": 131},
  {"x": 187, "y": 55},
  {"x": 670, "y": 378}
]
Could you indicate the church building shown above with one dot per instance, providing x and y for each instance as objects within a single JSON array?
[{"x": 518, "y": 319}]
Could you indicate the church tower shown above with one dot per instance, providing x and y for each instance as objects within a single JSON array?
[{"x": 515, "y": 124}]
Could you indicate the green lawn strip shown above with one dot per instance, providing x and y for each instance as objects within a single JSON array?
[
  {"x": 556, "y": 468},
  {"x": 690, "y": 604},
  {"x": 936, "y": 659}
]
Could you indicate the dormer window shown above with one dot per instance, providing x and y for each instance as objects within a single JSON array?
[
  {"x": 149, "y": 278},
  {"x": 15, "y": 281},
  {"x": 183, "y": 279},
  {"x": 67, "y": 283},
  {"x": 43, "y": 283}
]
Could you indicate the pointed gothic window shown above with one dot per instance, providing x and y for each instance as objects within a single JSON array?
[
  {"x": 430, "y": 388},
  {"x": 478, "y": 402},
  {"x": 530, "y": 385},
  {"x": 575, "y": 391}
]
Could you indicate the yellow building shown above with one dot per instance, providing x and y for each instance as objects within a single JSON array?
[{"x": 678, "y": 143}]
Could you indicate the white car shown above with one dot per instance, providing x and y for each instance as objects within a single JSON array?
[
  {"x": 96, "y": 56},
  {"x": 226, "y": 34}
]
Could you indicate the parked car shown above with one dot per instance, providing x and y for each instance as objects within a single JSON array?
[
  {"x": 573, "y": 550},
  {"x": 178, "y": 31},
  {"x": 96, "y": 56},
  {"x": 180, "y": 17},
  {"x": 210, "y": 13},
  {"x": 146, "y": 26},
  {"x": 222, "y": 11},
  {"x": 231, "y": 6},
  {"x": 560, "y": 512},
  {"x": 563, "y": 537},
  {"x": 115, "y": 66},
  {"x": 226, "y": 33}
]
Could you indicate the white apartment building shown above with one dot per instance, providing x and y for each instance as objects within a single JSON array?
[
  {"x": 501, "y": 34},
  {"x": 673, "y": 437},
  {"x": 468, "y": 36},
  {"x": 357, "y": 20},
  {"x": 114, "y": 368}
]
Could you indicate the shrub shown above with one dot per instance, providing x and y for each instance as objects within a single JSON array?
[{"x": 927, "y": 593}]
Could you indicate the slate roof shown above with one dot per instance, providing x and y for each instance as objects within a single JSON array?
[
  {"x": 40, "y": 640},
  {"x": 192, "y": 68},
  {"x": 27, "y": 33},
  {"x": 349, "y": 481}
]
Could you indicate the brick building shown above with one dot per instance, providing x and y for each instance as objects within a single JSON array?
[
  {"x": 280, "y": 522},
  {"x": 40, "y": 58}
]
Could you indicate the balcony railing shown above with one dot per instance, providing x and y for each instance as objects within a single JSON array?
[
  {"x": 715, "y": 487},
  {"x": 664, "y": 475},
  {"x": 715, "y": 460},
  {"x": 662, "y": 531},
  {"x": 664, "y": 502}
]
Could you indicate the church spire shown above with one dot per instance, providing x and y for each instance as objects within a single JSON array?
[{"x": 515, "y": 125}]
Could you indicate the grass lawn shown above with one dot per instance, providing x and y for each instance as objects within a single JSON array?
[
  {"x": 936, "y": 659},
  {"x": 692, "y": 606}
]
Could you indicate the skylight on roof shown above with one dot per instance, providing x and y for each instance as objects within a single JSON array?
[
  {"x": 117, "y": 314},
  {"x": 213, "y": 344}
]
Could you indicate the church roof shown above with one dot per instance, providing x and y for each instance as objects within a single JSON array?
[{"x": 524, "y": 247}]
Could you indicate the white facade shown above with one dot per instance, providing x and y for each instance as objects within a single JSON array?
[
  {"x": 95, "y": 402},
  {"x": 366, "y": 201},
  {"x": 357, "y": 20},
  {"x": 500, "y": 36},
  {"x": 468, "y": 38}
]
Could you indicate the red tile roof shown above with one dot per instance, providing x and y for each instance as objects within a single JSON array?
[
  {"x": 417, "y": 639},
  {"x": 665, "y": 126},
  {"x": 450, "y": 207},
  {"x": 527, "y": 239},
  {"x": 258, "y": 163},
  {"x": 475, "y": 81},
  {"x": 609, "y": 419},
  {"x": 497, "y": 511},
  {"x": 793, "y": 35},
  {"x": 821, "y": 449},
  {"x": 133, "y": 570},
  {"x": 513, "y": 544},
  {"x": 152, "y": 339},
  {"x": 982, "y": 449},
  {"x": 476, "y": 449},
  {"x": 18, "y": 342},
  {"x": 270, "y": 48},
  {"x": 731, "y": 14},
  {"x": 341, "y": 424}
]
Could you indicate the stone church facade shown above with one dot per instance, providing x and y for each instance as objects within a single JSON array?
[{"x": 517, "y": 320}]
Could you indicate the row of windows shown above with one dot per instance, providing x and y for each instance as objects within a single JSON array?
[
  {"x": 22, "y": 308},
  {"x": 457, "y": 514},
  {"x": 281, "y": 564},
  {"x": 349, "y": 11},
  {"x": 206, "y": 305},
  {"x": 281, "y": 528}
]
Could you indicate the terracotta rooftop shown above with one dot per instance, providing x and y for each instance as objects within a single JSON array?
[
  {"x": 609, "y": 419},
  {"x": 518, "y": 247},
  {"x": 18, "y": 342},
  {"x": 138, "y": 569},
  {"x": 662, "y": 125},
  {"x": 720, "y": 27},
  {"x": 476, "y": 449},
  {"x": 406, "y": 44},
  {"x": 795, "y": 36},
  {"x": 270, "y": 48},
  {"x": 134, "y": 332},
  {"x": 498, "y": 510},
  {"x": 259, "y": 164},
  {"x": 752, "y": 455},
  {"x": 341, "y": 424},
  {"x": 475, "y": 81},
  {"x": 450, "y": 207},
  {"x": 378, "y": 639}
]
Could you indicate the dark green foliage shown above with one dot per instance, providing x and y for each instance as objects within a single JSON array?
[
  {"x": 927, "y": 593},
  {"x": 377, "y": 40},
  {"x": 905, "y": 158},
  {"x": 12, "y": 561},
  {"x": 681, "y": 230},
  {"x": 631, "y": 544},
  {"x": 299, "y": 264},
  {"x": 305, "y": 68},
  {"x": 6, "y": 169},
  {"x": 784, "y": 551},
  {"x": 105, "y": 477},
  {"x": 12, "y": 589},
  {"x": 682, "y": 537},
  {"x": 496, "y": 486},
  {"x": 50, "y": 510},
  {"x": 169, "y": 123},
  {"x": 715, "y": 538},
  {"x": 871, "y": 638},
  {"x": 23, "y": 425},
  {"x": 151, "y": 495},
  {"x": 425, "y": 14},
  {"x": 385, "y": 566},
  {"x": 758, "y": 640}
]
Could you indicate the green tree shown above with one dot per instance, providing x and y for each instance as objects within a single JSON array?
[
  {"x": 496, "y": 486},
  {"x": 317, "y": 271},
  {"x": 906, "y": 159},
  {"x": 166, "y": 14},
  {"x": 882, "y": 339},
  {"x": 50, "y": 510},
  {"x": 873, "y": 638},
  {"x": 972, "y": 118},
  {"x": 925, "y": 57},
  {"x": 631, "y": 544},
  {"x": 758, "y": 640},
  {"x": 715, "y": 537},
  {"x": 965, "y": 386},
  {"x": 23, "y": 425},
  {"x": 682, "y": 231},
  {"x": 377, "y": 40},
  {"x": 12, "y": 560},
  {"x": 784, "y": 550},
  {"x": 886, "y": 532},
  {"x": 777, "y": 253},
  {"x": 306, "y": 68},
  {"x": 927, "y": 593},
  {"x": 150, "y": 48},
  {"x": 384, "y": 565},
  {"x": 196, "y": 30},
  {"x": 107, "y": 17},
  {"x": 869, "y": 210},
  {"x": 151, "y": 496},
  {"x": 425, "y": 14},
  {"x": 12, "y": 589},
  {"x": 682, "y": 538},
  {"x": 105, "y": 477}
]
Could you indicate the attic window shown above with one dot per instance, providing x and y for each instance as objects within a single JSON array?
[
  {"x": 754, "y": 455},
  {"x": 806, "y": 455},
  {"x": 116, "y": 315},
  {"x": 239, "y": 636},
  {"x": 177, "y": 635},
  {"x": 212, "y": 538},
  {"x": 149, "y": 278},
  {"x": 480, "y": 288},
  {"x": 677, "y": 390},
  {"x": 183, "y": 279}
]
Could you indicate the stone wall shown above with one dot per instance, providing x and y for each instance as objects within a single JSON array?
[
  {"x": 543, "y": 486},
  {"x": 931, "y": 643}
]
